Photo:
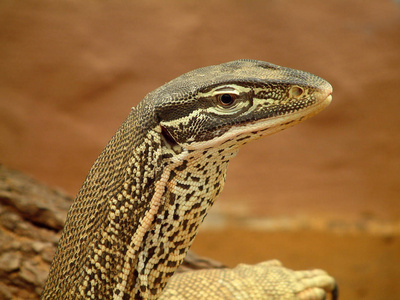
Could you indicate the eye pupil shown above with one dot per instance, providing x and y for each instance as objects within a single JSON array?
[{"x": 226, "y": 99}]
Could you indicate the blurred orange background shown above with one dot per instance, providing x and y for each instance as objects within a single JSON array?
[{"x": 323, "y": 194}]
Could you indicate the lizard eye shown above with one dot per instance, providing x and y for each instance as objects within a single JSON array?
[{"x": 227, "y": 99}]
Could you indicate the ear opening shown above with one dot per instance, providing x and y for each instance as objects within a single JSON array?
[{"x": 169, "y": 141}]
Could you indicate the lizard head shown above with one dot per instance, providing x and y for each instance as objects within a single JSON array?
[{"x": 236, "y": 101}]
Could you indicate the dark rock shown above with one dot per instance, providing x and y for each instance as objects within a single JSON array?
[
  {"x": 31, "y": 218},
  {"x": 5, "y": 292},
  {"x": 10, "y": 262}
]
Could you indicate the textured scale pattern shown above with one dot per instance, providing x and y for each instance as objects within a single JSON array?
[
  {"x": 140, "y": 207},
  {"x": 267, "y": 280}
]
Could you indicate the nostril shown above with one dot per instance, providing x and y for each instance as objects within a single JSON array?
[{"x": 296, "y": 91}]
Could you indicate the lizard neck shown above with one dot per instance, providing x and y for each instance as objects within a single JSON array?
[{"x": 187, "y": 189}]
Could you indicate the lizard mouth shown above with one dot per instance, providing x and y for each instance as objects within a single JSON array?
[
  {"x": 324, "y": 95},
  {"x": 270, "y": 125},
  {"x": 324, "y": 98}
]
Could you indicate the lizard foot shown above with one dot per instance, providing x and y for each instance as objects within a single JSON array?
[
  {"x": 282, "y": 283},
  {"x": 267, "y": 280}
]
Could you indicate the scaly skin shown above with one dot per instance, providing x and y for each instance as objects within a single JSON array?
[
  {"x": 267, "y": 280},
  {"x": 140, "y": 206}
]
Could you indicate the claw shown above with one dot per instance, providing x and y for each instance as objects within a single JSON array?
[{"x": 335, "y": 292}]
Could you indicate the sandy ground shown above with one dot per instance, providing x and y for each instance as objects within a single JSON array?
[{"x": 70, "y": 71}]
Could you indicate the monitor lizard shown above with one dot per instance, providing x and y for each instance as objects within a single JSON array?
[{"x": 140, "y": 207}]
